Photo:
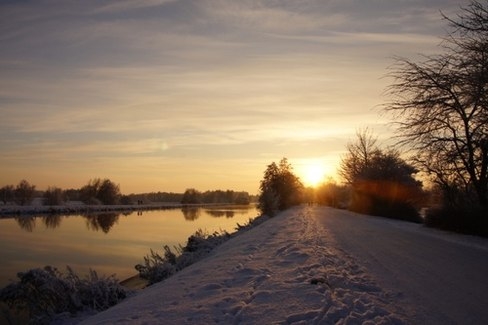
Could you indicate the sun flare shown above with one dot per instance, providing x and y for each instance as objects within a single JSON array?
[{"x": 313, "y": 175}]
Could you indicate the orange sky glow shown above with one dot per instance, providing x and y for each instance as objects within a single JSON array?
[{"x": 164, "y": 95}]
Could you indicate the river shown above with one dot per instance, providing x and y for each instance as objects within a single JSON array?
[{"x": 110, "y": 243}]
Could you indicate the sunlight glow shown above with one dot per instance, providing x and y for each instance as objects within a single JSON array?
[{"x": 313, "y": 174}]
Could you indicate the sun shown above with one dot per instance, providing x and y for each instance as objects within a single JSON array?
[{"x": 313, "y": 174}]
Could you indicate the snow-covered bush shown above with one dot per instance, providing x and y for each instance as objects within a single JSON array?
[
  {"x": 252, "y": 222},
  {"x": 47, "y": 292},
  {"x": 156, "y": 268}
]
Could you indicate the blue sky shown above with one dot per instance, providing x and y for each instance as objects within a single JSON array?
[{"x": 170, "y": 94}]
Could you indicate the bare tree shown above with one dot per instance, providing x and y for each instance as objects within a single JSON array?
[
  {"x": 24, "y": 192},
  {"x": 381, "y": 182},
  {"x": 441, "y": 105},
  {"x": 100, "y": 191},
  {"x": 53, "y": 196},
  {"x": 7, "y": 193},
  {"x": 359, "y": 155}
]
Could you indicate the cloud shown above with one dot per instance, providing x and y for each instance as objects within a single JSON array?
[
  {"x": 128, "y": 5},
  {"x": 139, "y": 82}
]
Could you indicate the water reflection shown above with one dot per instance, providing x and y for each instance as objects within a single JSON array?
[
  {"x": 220, "y": 213},
  {"x": 52, "y": 222},
  {"x": 106, "y": 220},
  {"x": 190, "y": 213},
  {"x": 27, "y": 223},
  {"x": 102, "y": 222}
]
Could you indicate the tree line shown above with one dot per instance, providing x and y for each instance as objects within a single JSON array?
[
  {"x": 105, "y": 192},
  {"x": 440, "y": 108},
  {"x": 376, "y": 181}
]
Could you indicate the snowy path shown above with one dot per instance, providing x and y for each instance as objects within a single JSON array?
[
  {"x": 284, "y": 271},
  {"x": 443, "y": 277}
]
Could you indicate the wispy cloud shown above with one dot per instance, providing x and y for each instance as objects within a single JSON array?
[
  {"x": 127, "y": 5},
  {"x": 138, "y": 82}
]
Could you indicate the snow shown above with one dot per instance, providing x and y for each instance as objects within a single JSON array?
[
  {"x": 284, "y": 271},
  {"x": 436, "y": 276}
]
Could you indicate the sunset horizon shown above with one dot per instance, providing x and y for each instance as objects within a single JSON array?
[{"x": 168, "y": 95}]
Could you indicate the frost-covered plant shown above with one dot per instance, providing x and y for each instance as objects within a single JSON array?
[
  {"x": 252, "y": 222},
  {"x": 45, "y": 293},
  {"x": 156, "y": 268}
]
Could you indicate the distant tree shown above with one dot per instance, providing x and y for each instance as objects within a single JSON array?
[
  {"x": 71, "y": 195},
  {"x": 280, "y": 188},
  {"x": 53, "y": 196},
  {"x": 7, "y": 193},
  {"x": 332, "y": 194},
  {"x": 359, "y": 155},
  {"x": 191, "y": 196},
  {"x": 382, "y": 183},
  {"x": 441, "y": 106},
  {"x": 126, "y": 200},
  {"x": 100, "y": 191},
  {"x": 109, "y": 192},
  {"x": 24, "y": 192},
  {"x": 89, "y": 192},
  {"x": 242, "y": 198}
]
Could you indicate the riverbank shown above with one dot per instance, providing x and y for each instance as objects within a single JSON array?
[
  {"x": 286, "y": 270},
  {"x": 81, "y": 208}
]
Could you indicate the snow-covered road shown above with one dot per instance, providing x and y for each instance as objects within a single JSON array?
[
  {"x": 437, "y": 277},
  {"x": 316, "y": 265}
]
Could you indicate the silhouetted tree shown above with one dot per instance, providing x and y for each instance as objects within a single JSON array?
[
  {"x": 89, "y": 192},
  {"x": 442, "y": 107},
  {"x": 191, "y": 196},
  {"x": 98, "y": 191},
  {"x": 382, "y": 183},
  {"x": 7, "y": 193},
  {"x": 359, "y": 155},
  {"x": 72, "y": 195},
  {"x": 53, "y": 196},
  {"x": 109, "y": 192},
  {"x": 280, "y": 188},
  {"x": 24, "y": 192},
  {"x": 332, "y": 194}
]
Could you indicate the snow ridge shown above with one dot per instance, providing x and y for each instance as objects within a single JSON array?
[{"x": 284, "y": 271}]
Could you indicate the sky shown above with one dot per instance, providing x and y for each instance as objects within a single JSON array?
[{"x": 165, "y": 95}]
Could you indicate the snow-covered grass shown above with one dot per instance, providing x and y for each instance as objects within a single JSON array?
[
  {"x": 43, "y": 295},
  {"x": 283, "y": 272},
  {"x": 157, "y": 267}
]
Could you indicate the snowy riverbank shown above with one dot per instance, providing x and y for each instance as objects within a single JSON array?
[
  {"x": 80, "y": 208},
  {"x": 284, "y": 271}
]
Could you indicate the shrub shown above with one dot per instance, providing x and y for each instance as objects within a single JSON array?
[
  {"x": 374, "y": 203},
  {"x": 45, "y": 293},
  {"x": 156, "y": 268},
  {"x": 463, "y": 219}
]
